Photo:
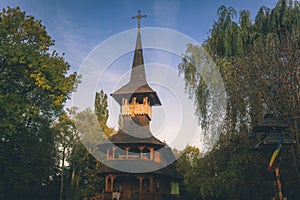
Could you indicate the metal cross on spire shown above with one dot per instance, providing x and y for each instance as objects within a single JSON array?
[{"x": 139, "y": 17}]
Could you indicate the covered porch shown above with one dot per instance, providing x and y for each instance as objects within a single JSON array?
[{"x": 135, "y": 187}]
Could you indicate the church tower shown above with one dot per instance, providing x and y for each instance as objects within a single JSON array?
[
  {"x": 136, "y": 97},
  {"x": 137, "y": 163}
]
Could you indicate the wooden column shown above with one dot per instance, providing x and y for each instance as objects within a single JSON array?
[
  {"x": 141, "y": 148},
  {"x": 113, "y": 152},
  {"x": 156, "y": 157},
  {"x": 106, "y": 183},
  {"x": 127, "y": 149},
  {"x": 151, "y": 187},
  {"x": 151, "y": 153},
  {"x": 280, "y": 196},
  {"x": 141, "y": 186},
  {"x": 107, "y": 154},
  {"x": 112, "y": 183}
]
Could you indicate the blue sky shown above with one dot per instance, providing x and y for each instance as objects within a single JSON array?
[{"x": 79, "y": 27}]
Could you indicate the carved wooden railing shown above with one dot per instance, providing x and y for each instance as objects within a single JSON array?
[{"x": 134, "y": 108}]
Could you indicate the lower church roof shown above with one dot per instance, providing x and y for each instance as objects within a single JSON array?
[
  {"x": 144, "y": 137},
  {"x": 139, "y": 166}
]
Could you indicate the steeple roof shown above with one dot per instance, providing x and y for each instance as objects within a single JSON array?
[{"x": 137, "y": 86}]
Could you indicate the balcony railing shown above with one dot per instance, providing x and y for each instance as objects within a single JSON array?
[
  {"x": 134, "y": 108},
  {"x": 152, "y": 155}
]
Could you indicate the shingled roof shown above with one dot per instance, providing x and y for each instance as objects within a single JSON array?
[
  {"x": 139, "y": 166},
  {"x": 165, "y": 167},
  {"x": 142, "y": 137},
  {"x": 137, "y": 86},
  {"x": 122, "y": 137},
  {"x": 270, "y": 123}
]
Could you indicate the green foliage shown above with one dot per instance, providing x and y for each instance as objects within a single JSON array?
[
  {"x": 33, "y": 89},
  {"x": 83, "y": 166},
  {"x": 77, "y": 137},
  {"x": 101, "y": 106},
  {"x": 259, "y": 64},
  {"x": 231, "y": 170},
  {"x": 65, "y": 138},
  {"x": 78, "y": 134},
  {"x": 259, "y": 67},
  {"x": 186, "y": 165},
  {"x": 101, "y": 112},
  {"x": 90, "y": 132},
  {"x": 81, "y": 179}
]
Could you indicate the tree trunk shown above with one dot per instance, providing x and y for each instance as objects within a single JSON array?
[{"x": 62, "y": 175}]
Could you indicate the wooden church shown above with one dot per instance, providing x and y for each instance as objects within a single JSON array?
[{"x": 137, "y": 165}]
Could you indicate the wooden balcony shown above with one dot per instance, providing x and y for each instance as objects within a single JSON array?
[
  {"x": 135, "y": 108},
  {"x": 113, "y": 154}
]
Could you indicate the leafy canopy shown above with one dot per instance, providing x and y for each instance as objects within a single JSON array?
[{"x": 34, "y": 85}]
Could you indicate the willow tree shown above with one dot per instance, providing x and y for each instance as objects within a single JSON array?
[
  {"x": 252, "y": 58},
  {"x": 259, "y": 64}
]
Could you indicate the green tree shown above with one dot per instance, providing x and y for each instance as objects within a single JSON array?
[
  {"x": 185, "y": 165},
  {"x": 101, "y": 112},
  {"x": 232, "y": 170},
  {"x": 65, "y": 138},
  {"x": 83, "y": 165},
  {"x": 101, "y": 106},
  {"x": 33, "y": 88},
  {"x": 79, "y": 134},
  {"x": 259, "y": 64}
]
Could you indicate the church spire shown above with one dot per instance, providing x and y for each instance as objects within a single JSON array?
[
  {"x": 137, "y": 86},
  {"x": 138, "y": 70}
]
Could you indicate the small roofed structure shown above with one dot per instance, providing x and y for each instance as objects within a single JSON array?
[{"x": 274, "y": 129}]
